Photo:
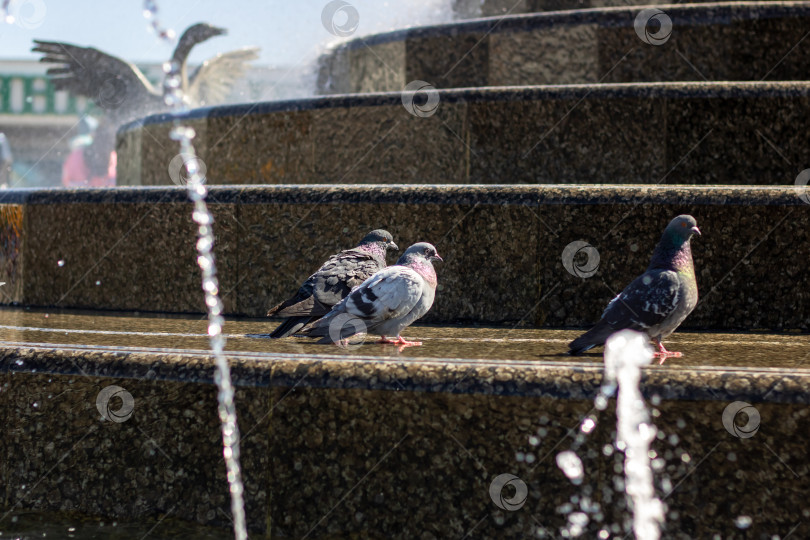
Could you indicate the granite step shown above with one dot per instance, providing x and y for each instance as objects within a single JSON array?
[
  {"x": 316, "y": 425},
  {"x": 133, "y": 248},
  {"x": 727, "y": 41},
  {"x": 473, "y": 9},
  {"x": 748, "y": 133}
]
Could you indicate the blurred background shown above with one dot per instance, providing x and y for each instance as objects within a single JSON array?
[{"x": 42, "y": 126}]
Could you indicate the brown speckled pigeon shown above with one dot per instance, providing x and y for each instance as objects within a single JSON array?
[
  {"x": 386, "y": 303},
  {"x": 332, "y": 282},
  {"x": 657, "y": 301}
]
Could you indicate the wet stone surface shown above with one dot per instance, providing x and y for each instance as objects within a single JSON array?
[
  {"x": 341, "y": 442},
  {"x": 460, "y": 359},
  {"x": 634, "y": 133},
  {"x": 503, "y": 248},
  {"x": 715, "y": 42}
]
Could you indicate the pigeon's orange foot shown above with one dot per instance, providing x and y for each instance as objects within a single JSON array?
[
  {"x": 399, "y": 342},
  {"x": 403, "y": 343},
  {"x": 663, "y": 354}
]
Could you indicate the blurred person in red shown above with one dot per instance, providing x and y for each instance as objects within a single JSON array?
[{"x": 85, "y": 166}]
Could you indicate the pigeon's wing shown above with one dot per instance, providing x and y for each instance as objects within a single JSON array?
[
  {"x": 109, "y": 81},
  {"x": 648, "y": 301},
  {"x": 341, "y": 273},
  {"x": 389, "y": 294},
  {"x": 211, "y": 81},
  {"x": 333, "y": 281}
]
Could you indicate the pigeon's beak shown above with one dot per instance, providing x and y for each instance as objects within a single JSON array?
[
  {"x": 392, "y": 245},
  {"x": 219, "y": 31},
  {"x": 696, "y": 231},
  {"x": 437, "y": 258}
]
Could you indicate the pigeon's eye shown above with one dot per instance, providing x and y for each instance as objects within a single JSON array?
[{"x": 684, "y": 224}]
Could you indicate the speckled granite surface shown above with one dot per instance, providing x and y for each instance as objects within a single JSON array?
[
  {"x": 735, "y": 41},
  {"x": 339, "y": 446},
  {"x": 12, "y": 225},
  {"x": 166, "y": 459},
  {"x": 469, "y": 9},
  {"x": 110, "y": 255},
  {"x": 502, "y": 245},
  {"x": 644, "y": 133}
]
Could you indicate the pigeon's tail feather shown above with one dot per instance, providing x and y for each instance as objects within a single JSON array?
[
  {"x": 594, "y": 337},
  {"x": 322, "y": 328},
  {"x": 291, "y": 326},
  {"x": 290, "y": 308},
  {"x": 298, "y": 316},
  {"x": 314, "y": 329},
  {"x": 277, "y": 311}
]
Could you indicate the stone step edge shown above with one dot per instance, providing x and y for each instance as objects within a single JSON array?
[
  {"x": 678, "y": 89},
  {"x": 520, "y": 194},
  {"x": 613, "y": 16},
  {"x": 568, "y": 380}
]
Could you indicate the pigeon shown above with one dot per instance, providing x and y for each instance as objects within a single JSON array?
[
  {"x": 657, "y": 301},
  {"x": 386, "y": 303},
  {"x": 332, "y": 282}
]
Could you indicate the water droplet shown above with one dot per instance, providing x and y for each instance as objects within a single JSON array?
[
  {"x": 60, "y": 262},
  {"x": 673, "y": 439},
  {"x": 743, "y": 522},
  {"x": 98, "y": 282},
  {"x": 601, "y": 402},
  {"x": 588, "y": 425},
  {"x": 571, "y": 466}
]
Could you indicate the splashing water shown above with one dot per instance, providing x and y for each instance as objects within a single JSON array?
[
  {"x": 626, "y": 353},
  {"x": 173, "y": 96},
  {"x": 571, "y": 466},
  {"x": 5, "y": 13}
]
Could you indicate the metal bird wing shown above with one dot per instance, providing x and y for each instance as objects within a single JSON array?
[
  {"x": 110, "y": 82},
  {"x": 211, "y": 81}
]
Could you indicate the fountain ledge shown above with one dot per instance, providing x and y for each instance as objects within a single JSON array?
[{"x": 568, "y": 380}]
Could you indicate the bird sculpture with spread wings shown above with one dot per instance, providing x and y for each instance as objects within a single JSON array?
[{"x": 121, "y": 89}]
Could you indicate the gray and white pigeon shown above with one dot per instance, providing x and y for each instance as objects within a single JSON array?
[
  {"x": 386, "y": 303},
  {"x": 657, "y": 301},
  {"x": 333, "y": 281}
]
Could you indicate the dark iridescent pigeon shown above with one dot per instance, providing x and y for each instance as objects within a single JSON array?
[
  {"x": 332, "y": 282},
  {"x": 657, "y": 301},
  {"x": 386, "y": 303}
]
